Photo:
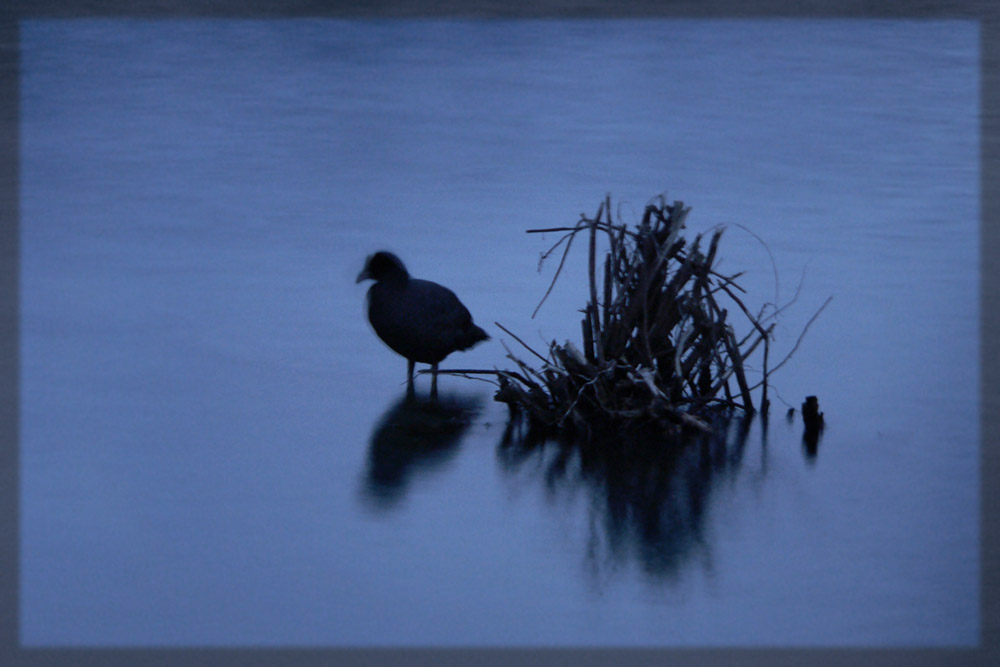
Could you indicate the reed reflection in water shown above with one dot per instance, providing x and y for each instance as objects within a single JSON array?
[{"x": 648, "y": 500}]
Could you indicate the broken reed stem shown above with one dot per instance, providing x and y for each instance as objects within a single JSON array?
[
  {"x": 588, "y": 336},
  {"x": 562, "y": 261},
  {"x": 595, "y": 322},
  {"x": 764, "y": 403},
  {"x": 461, "y": 371},
  {"x": 607, "y": 299},
  {"x": 600, "y": 225},
  {"x": 741, "y": 380}
]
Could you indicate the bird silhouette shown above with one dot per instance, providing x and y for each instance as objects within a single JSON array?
[{"x": 419, "y": 319}]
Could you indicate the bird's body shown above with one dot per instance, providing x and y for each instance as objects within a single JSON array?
[
  {"x": 418, "y": 319},
  {"x": 423, "y": 321}
]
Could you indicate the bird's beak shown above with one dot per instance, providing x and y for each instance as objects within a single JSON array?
[{"x": 363, "y": 275}]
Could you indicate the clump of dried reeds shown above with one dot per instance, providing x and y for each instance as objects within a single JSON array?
[{"x": 658, "y": 350}]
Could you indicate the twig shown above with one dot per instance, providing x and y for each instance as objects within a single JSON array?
[
  {"x": 525, "y": 345},
  {"x": 802, "y": 279},
  {"x": 774, "y": 265},
  {"x": 556, "y": 276},
  {"x": 461, "y": 371},
  {"x": 801, "y": 336}
]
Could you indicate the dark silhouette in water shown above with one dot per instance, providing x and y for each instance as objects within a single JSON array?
[
  {"x": 649, "y": 499},
  {"x": 814, "y": 424},
  {"x": 420, "y": 320},
  {"x": 414, "y": 437}
]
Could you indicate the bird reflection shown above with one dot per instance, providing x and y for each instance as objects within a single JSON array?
[
  {"x": 415, "y": 436},
  {"x": 647, "y": 501}
]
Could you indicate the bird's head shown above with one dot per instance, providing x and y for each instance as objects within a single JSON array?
[{"x": 383, "y": 265}]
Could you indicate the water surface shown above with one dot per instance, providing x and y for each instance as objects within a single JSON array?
[{"x": 214, "y": 450}]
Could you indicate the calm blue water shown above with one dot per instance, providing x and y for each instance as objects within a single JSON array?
[{"x": 213, "y": 451}]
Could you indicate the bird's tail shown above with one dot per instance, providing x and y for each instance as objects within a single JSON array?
[{"x": 473, "y": 335}]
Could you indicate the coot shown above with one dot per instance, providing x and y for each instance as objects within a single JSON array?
[{"x": 421, "y": 320}]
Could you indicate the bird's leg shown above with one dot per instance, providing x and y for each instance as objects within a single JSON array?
[
  {"x": 409, "y": 377},
  {"x": 434, "y": 381}
]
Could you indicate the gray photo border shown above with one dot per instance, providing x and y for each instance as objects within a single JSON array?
[{"x": 984, "y": 11}]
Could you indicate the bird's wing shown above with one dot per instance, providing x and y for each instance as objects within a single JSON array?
[{"x": 438, "y": 304}]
